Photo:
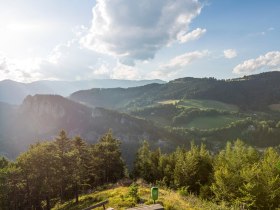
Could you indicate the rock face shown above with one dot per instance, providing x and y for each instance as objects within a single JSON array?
[
  {"x": 42, "y": 106},
  {"x": 49, "y": 113}
]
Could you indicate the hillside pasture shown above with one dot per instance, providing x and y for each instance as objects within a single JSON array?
[
  {"x": 169, "y": 102},
  {"x": 208, "y": 104}
]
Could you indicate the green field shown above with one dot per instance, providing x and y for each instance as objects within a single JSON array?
[
  {"x": 200, "y": 122},
  {"x": 169, "y": 102},
  {"x": 208, "y": 104},
  {"x": 212, "y": 122}
]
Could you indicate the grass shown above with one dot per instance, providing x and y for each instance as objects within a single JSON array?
[
  {"x": 168, "y": 102},
  {"x": 119, "y": 200},
  {"x": 208, "y": 104},
  {"x": 212, "y": 122}
]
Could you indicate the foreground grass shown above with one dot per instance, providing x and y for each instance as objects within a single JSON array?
[{"x": 119, "y": 199}]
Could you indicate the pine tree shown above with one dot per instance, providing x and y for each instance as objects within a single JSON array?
[
  {"x": 81, "y": 169},
  {"x": 142, "y": 164},
  {"x": 107, "y": 160},
  {"x": 65, "y": 162}
]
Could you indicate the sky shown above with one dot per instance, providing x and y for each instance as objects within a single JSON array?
[{"x": 148, "y": 39}]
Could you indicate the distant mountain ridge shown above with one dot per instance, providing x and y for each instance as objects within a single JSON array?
[
  {"x": 14, "y": 92},
  {"x": 249, "y": 92}
]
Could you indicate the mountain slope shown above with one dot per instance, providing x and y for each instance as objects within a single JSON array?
[
  {"x": 250, "y": 92},
  {"x": 116, "y": 98}
]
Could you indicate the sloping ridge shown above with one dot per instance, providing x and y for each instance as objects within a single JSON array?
[{"x": 248, "y": 92}]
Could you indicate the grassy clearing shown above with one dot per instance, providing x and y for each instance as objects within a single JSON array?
[
  {"x": 169, "y": 102},
  {"x": 274, "y": 107},
  {"x": 208, "y": 104},
  {"x": 119, "y": 200},
  {"x": 212, "y": 122}
]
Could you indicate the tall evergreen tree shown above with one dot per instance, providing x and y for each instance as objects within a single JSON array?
[
  {"x": 65, "y": 162},
  {"x": 82, "y": 165},
  {"x": 142, "y": 164},
  {"x": 107, "y": 160}
]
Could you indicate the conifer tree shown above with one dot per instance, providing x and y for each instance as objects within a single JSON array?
[
  {"x": 65, "y": 162},
  {"x": 82, "y": 165},
  {"x": 107, "y": 160},
  {"x": 142, "y": 164}
]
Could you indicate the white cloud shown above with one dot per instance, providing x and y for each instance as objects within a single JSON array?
[
  {"x": 70, "y": 62},
  {"x": 125, "y": 72},
  {"x": 102, "y": 70},
  {"x": 183, "y": 60},
  {"x": 230, "y": 53},
  {"x": 176, "y": 64},
  {"x": 193, "y": 35},
  {"x": 65, "y": 62},
  {"x": 269, "y": 61},
  {"x": 136, "y": 30},
  {"x": 3, "y": 63},
  {"x": 19, "y": 69}
]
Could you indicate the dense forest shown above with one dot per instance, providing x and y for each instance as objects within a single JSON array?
[{"x": 65, "y": 168}]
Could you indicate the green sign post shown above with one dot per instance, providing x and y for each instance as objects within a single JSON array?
[{"x": 154, "y": 193}]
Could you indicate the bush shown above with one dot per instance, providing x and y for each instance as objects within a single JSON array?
[{"x": 133, "y": 192}]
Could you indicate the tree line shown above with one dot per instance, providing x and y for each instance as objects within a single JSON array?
[
  {"x": 238, "y": 175},
  {"x": 59, "y": 170},
  {"x": 62, "y": 169}
]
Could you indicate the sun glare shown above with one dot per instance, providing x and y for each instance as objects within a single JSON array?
[{"x": 23, "y": 27}]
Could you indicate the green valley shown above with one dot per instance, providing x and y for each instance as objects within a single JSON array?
[{"x": 157, "y": 129}]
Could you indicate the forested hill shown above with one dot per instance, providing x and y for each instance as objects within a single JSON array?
[
  {"x": 249, "y": 92},
  {"x": 42, "y": 116}
]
